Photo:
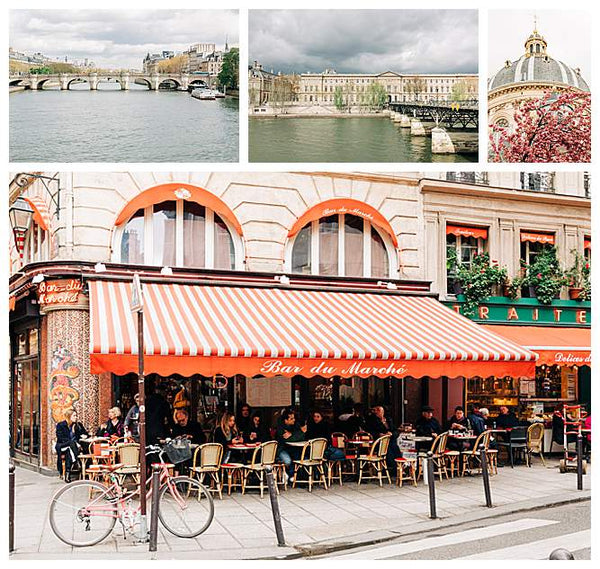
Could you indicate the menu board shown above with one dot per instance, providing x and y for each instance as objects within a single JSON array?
[
  {"x": 269, "y": 391},
  {"x": 527, "y": 387},
  {"x": 568, "y": 384}
]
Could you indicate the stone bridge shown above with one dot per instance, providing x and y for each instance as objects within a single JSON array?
[
  {"x": 124, "y": 78},
  {"x": 464, "y": 114}
]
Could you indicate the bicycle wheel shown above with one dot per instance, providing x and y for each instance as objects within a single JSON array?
[
  {"x": 185, "y": 507},
  {"x": 82, "y": 513}
]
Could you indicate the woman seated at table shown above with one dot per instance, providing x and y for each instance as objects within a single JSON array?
[
  {"x": 113, "y": 428},
  {"x": 227, "y": 434},
  {"x": 460, "y": 423},
  {"x": 317, "y": 427},
  {"x": 68, "y": 435},
  {"x": 256, "y": 432}
]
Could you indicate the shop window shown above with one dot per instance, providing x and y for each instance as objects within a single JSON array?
[
  {"x": 463, "y": 248},
  {"x": 178, "y": 233},
  {"x": 531, "y": 248},
  {"x": 36, "y": 245},
  {"x": 341, "y": 244}
]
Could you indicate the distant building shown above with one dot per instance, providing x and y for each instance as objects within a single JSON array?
[
  {"x": 529, "y": 77},
  {"x": 269, "y": 88},
  {"x": 150, "y": 63}
]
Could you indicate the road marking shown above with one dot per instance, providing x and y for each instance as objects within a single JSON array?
[
  {"x": 449, "y": 539},
  {"x": 538, "y": 549}
]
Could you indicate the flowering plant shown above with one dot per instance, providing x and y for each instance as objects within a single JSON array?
[
  {"x": 478, "y": 280},
  {"x": 544, "y": 275},
  {"x": 578, "y": 277},
  {"x": 553, "y": 128}
]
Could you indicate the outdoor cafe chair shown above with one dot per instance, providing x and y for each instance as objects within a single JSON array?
[
  {"x": 374, "y": 461},
  {"x": 335, "y": 468},
  {"x": 101, "y": 454},
  {"x": 311, "y": 459},
  {"x": 440, "y": 456},
  {"x": 406, "y": 469},
  {"x": 516, "y": 442},
  {"x": 535, "y": 442},
  {"x": 207, "y": 462},
  {"x": 471, "y": 459},
  {"x": 263, "y": 456},
  {"x": 129, "y": 457}
]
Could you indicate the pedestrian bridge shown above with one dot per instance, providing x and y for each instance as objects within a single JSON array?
[
  {"x": 36, "y": 81},
  {"x": 462, "y": 114}
]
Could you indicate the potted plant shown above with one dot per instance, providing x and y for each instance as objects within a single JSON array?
[
  {"x": 478, "y": 281},
  {"x": 451, "y": 267},
  {"x": 544, "y": 276},
  {"x": 578, "y": 277}
]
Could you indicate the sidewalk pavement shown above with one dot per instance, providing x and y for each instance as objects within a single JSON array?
[{"x": 313, "y": 523}]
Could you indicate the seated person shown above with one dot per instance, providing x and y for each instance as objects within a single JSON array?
[
  {"x": 68, "y": 434},
  {"x": 256, "y": 432},
  {"x": 356, "y": 421},
  {"x": 427, "y": 426},
  {"x": 244, "y": 418},
  {"x": 379, "y": 425},
  {"x": 225, "y": 434},
  {"x": 289, "y": 431},
  {"x": 113, "y": 427},
  {"x": 506, "y": 419},
  {"x": 318, "y": 428},
  {"x": 477, "y": 420},
  {"x": 132, "y": 420},
  {"x": 187, "y": 428},
  {"x": 458, "y": 422}
]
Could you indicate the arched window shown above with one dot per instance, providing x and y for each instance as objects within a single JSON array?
[
  {"x": 342, "y": 245},
  {"x": 178, "y": 233}
]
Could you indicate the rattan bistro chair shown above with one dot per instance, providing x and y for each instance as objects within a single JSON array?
[
  {"x": 471, "y": 459},
  {"x": 129, "y": 457},
  {"x": 374, "y": 461},
  {"x": 311, "y": 459},
  {"x": 440, "y": 456},
  {"x": 535, "y": 442},
  {"x": 207, "y": 462},
  {"x": 263, "y": 456}
]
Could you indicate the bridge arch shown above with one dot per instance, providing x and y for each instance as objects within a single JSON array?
[{"x": 164, "y": 80}]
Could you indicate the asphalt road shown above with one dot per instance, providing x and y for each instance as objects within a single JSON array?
[{"x": 528, "y": 535}]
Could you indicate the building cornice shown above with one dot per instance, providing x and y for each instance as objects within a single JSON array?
[
  {"x": 390, "y": 178},
  {"x": 460, "y": 188}
]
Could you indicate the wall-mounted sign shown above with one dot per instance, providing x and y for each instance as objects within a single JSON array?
[
  {"x": 268, "y": 391},
  {"x": 529, "y": 311},
  {"x": 62, "y": 292}
]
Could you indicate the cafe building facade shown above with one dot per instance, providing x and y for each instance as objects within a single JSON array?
[{"x": 317, "y": 290}]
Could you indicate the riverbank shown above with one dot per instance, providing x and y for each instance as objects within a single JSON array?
[{"x": 319, "y": 115}]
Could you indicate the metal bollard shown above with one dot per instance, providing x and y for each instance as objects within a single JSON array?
[
  {"x": 579, "y": 462},
  {"x": 11, "y": 507},
  {"x": 561, "y": 554},
  {"x": 275, "y": 506},
  {"x": 486, "y": 476},
  {"x": 429, "y": 470},
  {"x": 154, "y": 508}
]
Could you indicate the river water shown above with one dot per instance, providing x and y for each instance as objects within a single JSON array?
[
  {"x": 110, "y": 125},
  {"x": 373, "y": 139}
]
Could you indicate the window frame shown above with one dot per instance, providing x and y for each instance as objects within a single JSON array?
[
  {"x": 314, "y": 249},
  {"x": 36, "y": 246},
  {"x": 209, "y": 239},
  {"x": 481, "y": 248}
]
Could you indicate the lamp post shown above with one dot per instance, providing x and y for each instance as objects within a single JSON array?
[{"x": 20, "y": 214}]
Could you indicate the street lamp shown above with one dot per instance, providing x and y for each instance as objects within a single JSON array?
[{"x": 20, "y": 214}]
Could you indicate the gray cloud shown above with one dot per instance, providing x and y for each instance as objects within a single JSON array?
[
  {"x": 365, "y": 41},
  {"x": 118, "y": 38}
]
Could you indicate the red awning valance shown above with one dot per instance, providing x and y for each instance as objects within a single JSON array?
[
  {"x": 210, "y": 330},
  {"x": 465, "y": 231},
  {"x": 537, "y": 237},
  {"x": 41, "y": 212},
  {"x": 587, "y": 243},
  {"x": 167, "y": 192},
  {"x": 555, "y": 346},
  {"x": 344, "y": 205}
]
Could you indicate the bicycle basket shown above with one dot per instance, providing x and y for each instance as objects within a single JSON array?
[{"x": 178, "y": 450}]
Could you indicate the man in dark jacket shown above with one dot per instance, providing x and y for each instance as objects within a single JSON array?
[
  {"x": 158, "y": 417},
  {"x": 477, "y": 420},
  {"x": 289, "y": 431},
  {"x": 427, "y": 426},
  {"x": 506, "y": 419},
  {"x": 186, "y": 428}
]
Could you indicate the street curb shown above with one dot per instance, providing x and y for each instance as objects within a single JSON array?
[{"x": 376, "y": 537}]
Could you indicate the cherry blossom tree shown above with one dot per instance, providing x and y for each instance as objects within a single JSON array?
[{"x": 553, "y": 128}]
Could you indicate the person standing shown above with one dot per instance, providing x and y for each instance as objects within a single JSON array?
[{"x": 132, "y": 420}]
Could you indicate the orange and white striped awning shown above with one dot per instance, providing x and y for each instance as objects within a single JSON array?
[
  {"x": 208, "y": 330},
  {"x": 41, "y": 211}
]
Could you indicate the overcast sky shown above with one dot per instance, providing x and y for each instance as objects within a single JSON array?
[
  {"x": 568, "y": 33},
  {"x": 365, "y": 41},
  {"x": 118, "y": 38}
]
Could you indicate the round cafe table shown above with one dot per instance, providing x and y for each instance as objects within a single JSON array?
[{"x": 296, "y": 443}]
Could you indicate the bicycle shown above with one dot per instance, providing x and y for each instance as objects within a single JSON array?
[{"x": 83, "y": 513}]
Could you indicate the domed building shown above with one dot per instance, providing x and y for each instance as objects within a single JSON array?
[{"x": 529, "y": 77}]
